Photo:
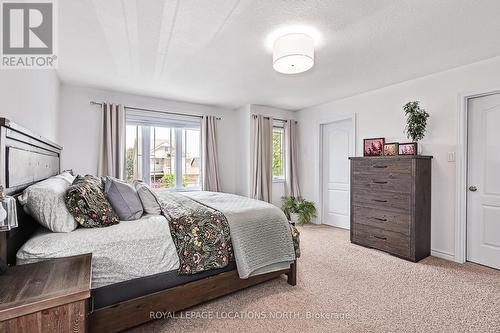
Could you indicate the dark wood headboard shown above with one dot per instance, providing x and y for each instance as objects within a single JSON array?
[{"x": 25, "y": 158}]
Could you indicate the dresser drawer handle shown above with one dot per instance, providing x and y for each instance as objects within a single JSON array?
[
  {"x": 380, "y": 166},
  {"x": 379, "y": 219},
  {"x": 379, "y": 200},
  {"x": 379, "y": 182},
  {"x": 379, "y": 237}
]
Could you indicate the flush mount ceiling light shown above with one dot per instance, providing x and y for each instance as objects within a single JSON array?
[{"x": 293, "y": 53}]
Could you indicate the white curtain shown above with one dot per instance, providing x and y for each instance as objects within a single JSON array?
[
  {"x": 112, "y": 145},
  {"x": 210, "y": 170},
  {"x": 291, "y": 152},
  {"x": 262, "y": 158}
]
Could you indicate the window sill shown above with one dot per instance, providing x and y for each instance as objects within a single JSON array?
[
  {"x": 182, "y": 189},
  {"x": 278, "y": 180}
]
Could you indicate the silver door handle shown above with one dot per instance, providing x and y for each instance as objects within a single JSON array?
[{"x": 472, "y": 188}]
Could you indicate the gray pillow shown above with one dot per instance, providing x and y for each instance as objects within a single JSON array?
[
  {"x": 44, "y": 201},
  {"x": 148, "y": 198},
  {"x": 123, "y": 198}
]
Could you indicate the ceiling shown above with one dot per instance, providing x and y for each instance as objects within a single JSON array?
[{"x": 214, "y": 51}]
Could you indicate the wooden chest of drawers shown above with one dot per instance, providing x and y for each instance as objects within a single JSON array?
[{"x": 391, "y": 204}]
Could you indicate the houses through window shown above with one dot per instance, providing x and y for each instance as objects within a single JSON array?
[{"x": 163, "y": 150}]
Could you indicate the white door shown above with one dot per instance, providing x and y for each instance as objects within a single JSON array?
[
  {"x": 337, "y": 146},
  {"x": 483, "y": 199}
]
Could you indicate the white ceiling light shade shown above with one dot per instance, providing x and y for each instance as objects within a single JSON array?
[
  {"x": 293, "y": 53},
  {"x": 294, "y": 29}
]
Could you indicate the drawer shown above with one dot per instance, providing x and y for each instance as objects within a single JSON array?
[
  {"x": 380, "y": 239},
  {"x": 383, "y": 181},
  {"x": 383, "y": 165},
  {"x": 390, "y": 201},
  {"x": 383, "y": 219}
]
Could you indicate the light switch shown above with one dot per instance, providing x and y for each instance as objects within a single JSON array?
[{"x": 451, "y": 156}]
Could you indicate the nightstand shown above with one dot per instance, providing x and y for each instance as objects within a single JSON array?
[{"x": 49, "y": 296}]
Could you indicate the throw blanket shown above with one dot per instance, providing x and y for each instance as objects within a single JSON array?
[
  {"x": 200, "y": 233},
  {"x": 259, "y": 232}
]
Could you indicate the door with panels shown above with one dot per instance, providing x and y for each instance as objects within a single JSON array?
[
  {"x": 337, "y": 145},
  {"x": 483, "y": 198}
]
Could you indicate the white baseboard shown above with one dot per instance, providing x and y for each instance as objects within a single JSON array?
[{"x": 442, "y": 255}]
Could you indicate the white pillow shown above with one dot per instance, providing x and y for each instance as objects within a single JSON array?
[
  {"x": 44, "y": 201},
  {"x": 66, "y": 175}
]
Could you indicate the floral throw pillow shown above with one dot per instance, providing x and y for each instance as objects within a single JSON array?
[{"x": 87, "y": 203}]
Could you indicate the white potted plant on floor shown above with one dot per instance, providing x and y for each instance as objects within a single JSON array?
[{"x": 298, "y": 210}]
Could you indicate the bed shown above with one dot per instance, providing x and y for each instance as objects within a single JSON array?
[{"x": 125, "y": 286}]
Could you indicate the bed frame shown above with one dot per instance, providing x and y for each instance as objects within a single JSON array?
[{"x": 27, "y": 158}]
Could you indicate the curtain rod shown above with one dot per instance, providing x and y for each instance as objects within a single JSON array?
[
  {"x": 149, "y": 110},
  {"x": 278, "y": 119}
]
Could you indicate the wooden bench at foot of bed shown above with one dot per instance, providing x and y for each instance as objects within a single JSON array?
[{"x": 130, "y": 313}]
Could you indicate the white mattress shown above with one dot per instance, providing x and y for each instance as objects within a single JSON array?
[{"x": 125, "y": 251}]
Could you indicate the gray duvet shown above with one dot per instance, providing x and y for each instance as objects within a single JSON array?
[{"x": 124, "y": 251}]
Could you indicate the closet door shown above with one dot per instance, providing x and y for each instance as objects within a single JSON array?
[{"x": 337, "y": 146}]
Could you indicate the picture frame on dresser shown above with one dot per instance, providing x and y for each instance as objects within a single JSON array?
[
  {"x": 373, "y": 147},
  {"x": 391, "y": 149},
  {"x": 408, "y": 148}
]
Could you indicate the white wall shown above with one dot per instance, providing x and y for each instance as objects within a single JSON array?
[
  {"x": 245, "y": 146},
  {"x": 379, "y": 114},
  {"x": 30, "y": 98},
  {"x": 243, "y": 160},
  {"x": 80, "y": 123}
]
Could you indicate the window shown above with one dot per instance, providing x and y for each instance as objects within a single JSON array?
[
  {"x": 163, "y": 150},
  {"x": 278, "y": 153}
]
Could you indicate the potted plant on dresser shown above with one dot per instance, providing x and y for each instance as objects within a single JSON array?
[
  {"x": 298, "y": 210},
  {"x": 416, "y": 123}
]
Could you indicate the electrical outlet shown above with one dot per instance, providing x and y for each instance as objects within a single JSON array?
[{"x": 451, "y": 156}]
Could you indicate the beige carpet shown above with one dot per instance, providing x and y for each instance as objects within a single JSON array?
[{"x": 348, "y": 288}]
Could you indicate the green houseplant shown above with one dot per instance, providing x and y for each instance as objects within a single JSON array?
[
  {"x": 298, "y": 210},
  {"x": 168, "y": 180},
  {"x": 416, "y": 121}
]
